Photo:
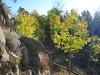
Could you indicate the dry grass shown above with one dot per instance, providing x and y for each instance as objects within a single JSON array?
[
  {"x": 62, "y": 73},
  {"x": 12, "y": 41}
]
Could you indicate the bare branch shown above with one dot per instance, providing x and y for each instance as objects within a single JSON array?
[{"x": 63, "y": 67}]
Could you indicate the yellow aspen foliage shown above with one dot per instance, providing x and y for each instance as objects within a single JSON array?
[
  {"x": 26, "y": 25},
  {"x": 71, "y": 34},
  {"x": 95, "y": 44}
]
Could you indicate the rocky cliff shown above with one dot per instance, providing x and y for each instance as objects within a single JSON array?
[{"x": 20, "y": 55}]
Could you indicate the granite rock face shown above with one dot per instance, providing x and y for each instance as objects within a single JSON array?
[{"x": 23, "y": 52}]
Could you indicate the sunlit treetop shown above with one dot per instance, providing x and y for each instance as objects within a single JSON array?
[
  {"x": 26, "y": 25},
  {"x": 72, "y": 34}
]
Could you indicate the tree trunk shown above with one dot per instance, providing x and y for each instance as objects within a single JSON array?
[{"x": 69, "y": 65}]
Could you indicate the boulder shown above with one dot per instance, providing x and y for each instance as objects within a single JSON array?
[
  {"x": 44, "y": 64},
  {"x": 5, "y": 56},
  {"x": 32, "y": 44},
  {"x": 2, "y": 38},
  {"x": 25, "y": 56}
]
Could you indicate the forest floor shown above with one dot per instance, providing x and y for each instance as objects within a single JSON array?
[{"x": 62, "y": 73}]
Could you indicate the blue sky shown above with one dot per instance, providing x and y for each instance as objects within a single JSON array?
[{"x": 42, "y": 6}]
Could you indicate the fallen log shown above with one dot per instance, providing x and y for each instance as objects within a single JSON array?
[{"x": 59, "y": 64}]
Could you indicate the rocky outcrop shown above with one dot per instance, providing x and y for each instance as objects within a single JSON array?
[
  {"x": 5, "y": 56},
  {"x": 44, "y": 64},
  {"x": 18, "y": 52},
  {"x": 21, "y": 52},
  {"x": 2, "y": 39},
  {"x": 25, "y": 57},
  {"x": 32, "y": 44},
  {"x": 33, "y": 53}
]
